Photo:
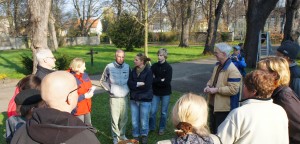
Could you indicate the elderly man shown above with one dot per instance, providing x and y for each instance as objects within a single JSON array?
[
  {"x": 114, "y": 80},
  {"x": 46, "y": 63},
  {"x": 223, "y": 87},
  {"x": 55, "y": 124}
]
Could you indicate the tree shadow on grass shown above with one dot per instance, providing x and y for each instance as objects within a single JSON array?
[{"x": 10, "y": 64}]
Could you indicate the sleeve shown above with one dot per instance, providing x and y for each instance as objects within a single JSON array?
[
  {"x": 104, "y": 81},
  {"x": 8, "y": 135},
  {"x": 228, "y": 131},
  {"x": 131, "y": 82},
  {"x": 233, "y": 83},
  {"x": 168, "y": 77},
  {"x": 242, "y": 63}
]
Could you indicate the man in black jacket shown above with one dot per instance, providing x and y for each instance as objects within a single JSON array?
[
  {"x": 162, "y": 76},
  {"x": 55, "y": 125}
]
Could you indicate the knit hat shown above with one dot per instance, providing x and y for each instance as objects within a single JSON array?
[
  {"x": 237, "y": 47},
  {"x": 289, "y": 49},
  {"x": 28, "y": 97}
]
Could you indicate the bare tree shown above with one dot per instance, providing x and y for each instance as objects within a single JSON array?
[
  {"x": 173, "y": 11},
  {"x": 52, "y": 31},
  {"x": 39, "y": 13},
  {"x": 186, "y": 11},
  {"x": 88, "y": 12},
  {"x": 258, "y": 12},
  {"x": 291, "y": 8},
  {"x": 213, "y": 26}
]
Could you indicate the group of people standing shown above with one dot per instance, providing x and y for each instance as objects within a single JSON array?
[
  {"x": 146, "y": 87},
  {"x": 266, "y": 112}
]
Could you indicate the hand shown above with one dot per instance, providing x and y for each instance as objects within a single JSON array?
[
  {"x": 88, "y": 95},
  {"x": 213, "y": 90},
  {"x": 206, "y": 89},
  {"x": 138, "y": 84},
  {"x": 163, "y": 79}
]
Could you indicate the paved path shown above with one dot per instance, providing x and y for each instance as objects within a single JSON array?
[{"x": 188, "y": 76}]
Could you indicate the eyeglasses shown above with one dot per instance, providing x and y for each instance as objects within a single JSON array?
[
  {"x": 70, "y": 93},
  {"x": 215, "y": 53},
  {"x": 51, "y": 58}
]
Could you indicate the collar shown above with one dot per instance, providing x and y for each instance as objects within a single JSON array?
[
  {"x": 118, "y": 65},
  {"x": 226, "y": 64},
  {"x": 44, "y": 69},
  {"x": 293, "y": 64},
  {"x": 256, "y": 100}
]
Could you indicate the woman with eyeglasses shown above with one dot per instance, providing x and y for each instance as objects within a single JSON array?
[{"x": 85, "y": 92}]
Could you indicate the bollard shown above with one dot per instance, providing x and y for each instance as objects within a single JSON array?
[{"x": 91, "y": 53}]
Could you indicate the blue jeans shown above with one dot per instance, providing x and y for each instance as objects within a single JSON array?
[
  {"x": 165, "y": 100},
  {"x": 140, "y": 117}
]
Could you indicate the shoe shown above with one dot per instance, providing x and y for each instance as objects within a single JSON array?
[
  {"x": 144, "y": 139},
  {"x": 161, "y": 132}
]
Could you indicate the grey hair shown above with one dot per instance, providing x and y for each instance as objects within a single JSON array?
[
  {"x": 163, "y": 52},
  {"x": 42, "y": 54},
  {"x": 223, "y": 47}
]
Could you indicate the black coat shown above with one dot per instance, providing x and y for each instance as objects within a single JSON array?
[
  {"x": 162, "y": 71},
  {"x": 286, "y": 97},
  {"x": 142, "y": 93}
]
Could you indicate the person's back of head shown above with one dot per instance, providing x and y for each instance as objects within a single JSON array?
[
  {"x": 289, "y": 49},
  {"x": 27, "y": 100},
  {"x": 29, "y": 82},
  {"x": 59, "y": 91},
  {"x": 277, "y": 65},
  {"x": 191, "y": 109}
]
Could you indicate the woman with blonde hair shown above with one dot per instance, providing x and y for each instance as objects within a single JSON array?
[
  {"x": 283, "y": 95},
  {"x": 85, "y": 91},
  {"x": 189, "y": 117}
]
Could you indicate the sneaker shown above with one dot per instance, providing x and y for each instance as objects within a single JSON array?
[
  {"x": 161, "y": 132},
  {"x": 144, "y": 139}
]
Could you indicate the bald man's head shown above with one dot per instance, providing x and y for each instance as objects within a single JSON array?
[{"x": 56, "y": 88}]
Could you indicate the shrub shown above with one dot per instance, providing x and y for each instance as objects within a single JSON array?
[
  {"x": 127, "y": 32},
  {"x": 104, "y": 38},
  {"x": 27, "y": 63},
  {"x": 62, "y": 61},
  {"x": 225, "y": 36}
]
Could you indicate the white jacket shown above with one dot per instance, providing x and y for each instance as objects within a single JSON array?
[{"x": 256, "y": 122}]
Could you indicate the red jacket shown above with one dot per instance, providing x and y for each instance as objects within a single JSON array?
[{"x": 84, "y": 105}]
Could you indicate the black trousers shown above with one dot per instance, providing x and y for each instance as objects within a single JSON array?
[{"x": 215, "y": 119}]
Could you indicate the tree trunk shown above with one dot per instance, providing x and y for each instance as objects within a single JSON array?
[
  {"x": 291, "y": 8},
  {"x": 216, "y": 22},
  {"x": 207, "y": 48},
  {"x": 258, "y": 12},
  {"x": 185, "y": 22},
  {"x": 53, "y": 39},
  {"x": 146, "y": 26},
  {"x": 119, "y": 8},
  {"x": 16, "y": 17},
  {"x": 39, "y": 11}
]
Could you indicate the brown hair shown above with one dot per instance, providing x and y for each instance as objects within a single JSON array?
[
  {"x": 260, "y": 81},
  {"x": 143, "y": 58},
  {"x": 29, "y": 82}
]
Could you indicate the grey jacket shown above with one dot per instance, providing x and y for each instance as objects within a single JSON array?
[{"x": 114, "y": 79}]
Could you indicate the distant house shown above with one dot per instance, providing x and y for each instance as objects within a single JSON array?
[{"x": 160, "y": 23}]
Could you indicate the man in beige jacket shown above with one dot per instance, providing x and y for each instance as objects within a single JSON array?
[{"x": 223, "y": 87}]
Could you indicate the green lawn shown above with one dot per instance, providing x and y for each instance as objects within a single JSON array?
[
  {"x": 11, "y": 66},
  {"x": 101, "y": 120}
]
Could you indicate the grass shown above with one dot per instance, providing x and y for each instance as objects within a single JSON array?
[
  {"x": 10, "y": 61},
  {"x": 101, "y": 120}
]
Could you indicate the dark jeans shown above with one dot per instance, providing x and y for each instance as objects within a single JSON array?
[{"x": 215, "y": 119}]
